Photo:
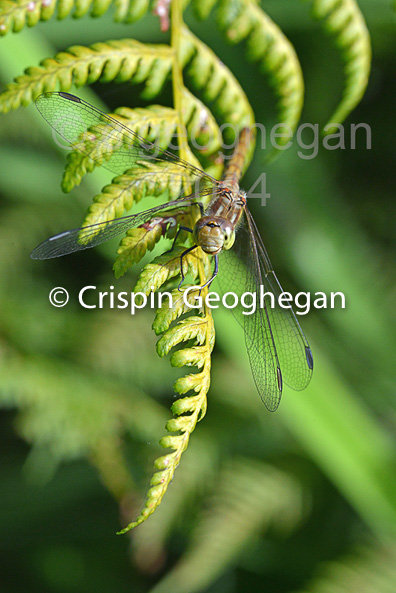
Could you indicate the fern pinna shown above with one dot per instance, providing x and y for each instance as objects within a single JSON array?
[{"x": 222, "y": 101}]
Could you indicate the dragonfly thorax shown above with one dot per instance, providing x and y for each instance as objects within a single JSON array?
[{"x": 214, "y": 233}]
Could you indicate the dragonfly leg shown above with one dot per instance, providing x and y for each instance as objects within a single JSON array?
[
  {"x": 186, "y": 228},
  {"x": 215, "y": 272},
  {"x": 201, "y": 207},
  {"x": 181, "y": 228},
  {"x": 181, "y": 264}
]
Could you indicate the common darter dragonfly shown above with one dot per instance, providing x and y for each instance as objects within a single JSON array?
[{"x": 277, "y": 348}]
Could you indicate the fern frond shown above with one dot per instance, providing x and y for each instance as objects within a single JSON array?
[
  {"x": 367, "y": 571},
  {"x": 152, "y": 278},
  {"x": 188, "y": 411},
  {"x": 156, "y": 124},
  {"x": 186, "y": 329},
  {"x": 344, "y": 20},
  {"x": 203, "y": 132},
  {"x": 60, "y": 423},
  {"x": 267, "y": 45},
  {"x": 130, "y": 11},
  {"x": 134, "y": 246},
  {"x": 250, "y": 497},
  {"x": 114, "y": 199},
  {"x": 86, "y": 419},
  {"x": 163, "y": 268},
  {"x": 16, "y": 14},
  {"x": 144, "y": 179},
  {"x": 121, "y": 60},
  {"x": 208, "y": 74},
  {"x": 193, "y": 477},
  {"x": 188, "y": 357}
]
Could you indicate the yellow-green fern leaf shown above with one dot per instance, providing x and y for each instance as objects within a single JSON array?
[
  {"x": 156, "y": 124},
  {"x": 150, "y": 540},
  {"x": 140, "y": 240},
  {"x": 112, "y": 201},
  {"x": 166, "y": 465},
  {"x": 163, "y": 268},
  {"x": 96, "y": 146},
  {"x": 181, "y": 304},
  {"x": 134, "y": 246},
  {"x": 121, "y": 60},
  {"x": 344, "y": 20},
  {"x": 188, "y": 357},
  {"x": 16, "y": 14},
  {"x": 188, "y": 412},
  {"x": 144, "y": 179},
  {"x": 192, "y": 328},
  {"x": 187, "y": 404}
]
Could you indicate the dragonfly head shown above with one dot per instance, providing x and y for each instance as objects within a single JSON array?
[{"x": 213, "y": 233}]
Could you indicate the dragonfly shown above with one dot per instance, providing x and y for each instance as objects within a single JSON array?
[{"x": 277, "y": 347}]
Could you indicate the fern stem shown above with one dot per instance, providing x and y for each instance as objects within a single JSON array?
[
  {"x": 177, "y": 75},
  {"x": 209, "y": 341}
]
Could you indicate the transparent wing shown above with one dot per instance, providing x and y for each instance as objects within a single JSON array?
[
  {"x": 108, "y": 142},
  {"x": 89, "y": 236},
  {"x": 294, "y": 352},
  {"x": 276, "y": 345}
]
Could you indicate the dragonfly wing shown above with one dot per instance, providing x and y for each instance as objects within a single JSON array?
[
  {"x": 293, "y": 350},
  {"x": 89, "y": 236},
  {"x": 238, "y": 274},
  {"x": 111, "y": 144},
  {"x": 274, "y": 340}
]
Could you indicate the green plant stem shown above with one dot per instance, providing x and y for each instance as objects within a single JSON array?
[{"x": 177, "y": 75}]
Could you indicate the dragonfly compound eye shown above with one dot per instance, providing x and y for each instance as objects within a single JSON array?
[{"x": 228, "y": 234}]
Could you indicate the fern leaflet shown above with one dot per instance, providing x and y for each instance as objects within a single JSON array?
[
  {"x": 266, "y": 44},
  {"x": 188, "y": 410},
  {"x": 209, "y": 75},
  {"x": 344, "y": 20},
  {"x": 156, "y": 124},
  {"x": 16, "y": 14},
  {"x": 121, "y": 60}
]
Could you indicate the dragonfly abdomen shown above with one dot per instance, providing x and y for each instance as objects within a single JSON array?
[{"x": 234, "y": 170}]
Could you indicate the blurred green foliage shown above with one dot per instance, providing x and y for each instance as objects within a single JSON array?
[{"x": 302, "y": 500}]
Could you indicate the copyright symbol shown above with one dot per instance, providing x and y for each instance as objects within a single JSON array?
[{"x": 59, "y": 297}]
